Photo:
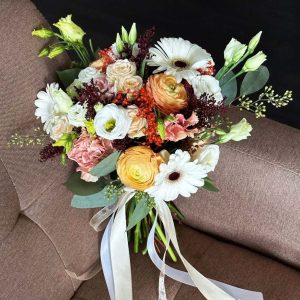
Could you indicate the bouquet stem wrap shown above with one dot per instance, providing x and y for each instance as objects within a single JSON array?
[{"x": 115, "y": 258}]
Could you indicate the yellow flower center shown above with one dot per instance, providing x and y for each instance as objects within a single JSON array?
[{"x": 110, "y": 125}]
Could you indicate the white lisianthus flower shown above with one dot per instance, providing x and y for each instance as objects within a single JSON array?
[
  {"x": 238, "y": 132},
  {"x": 76, "y": 115},
  {"x": 53, "y": 102},
  {"x": 87, "y": 74},
  {"x": 69, "y": 30},
  {"x": 58, "y": 126},
  {"x": 207, "y": 156},
  {"x": 234, "y": 51},
  {"x": 121, "y": 68},
  {"x": 254, "y": 62},
  {"x": 180, "y": 176},
  {"x": 112, "y": 122},
  {"x": 208, "y": 85},
  {"x": 179, "y": 58}
]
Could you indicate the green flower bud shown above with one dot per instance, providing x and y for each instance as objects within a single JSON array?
[
  {"x": 57, "y": 50},
  {"x": 69, "y": 30},
  {"x": 233, "y": 52},
  {"x": 238, "y": 132},
  {"x": 119, "y": 44},
  {"x": 132, "y": 35},
  {"x": 125, "y": 37},
  {"x": 43, "y": 33},
  {"x": 254, "y": 42},
  {"x": 44, "y": 52},
  {"x": 254, "y": 62}
]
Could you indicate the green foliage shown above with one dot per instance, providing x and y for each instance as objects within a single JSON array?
[
  {"x": 229, "y": 87},
  {"x": 141, "y": 209},
  {"x": 106, "y": 166},
  {"x": 68, "y": 76},
  {"x": 100, "y": 199},
  {"x": 66, "y": 141},
  {"x": 254, "y": 81},
  {"x": 80, "y": 187},
  {"x": 208, "y": 185}
]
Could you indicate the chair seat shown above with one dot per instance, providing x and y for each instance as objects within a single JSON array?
[{"x": 216, "y": 259}]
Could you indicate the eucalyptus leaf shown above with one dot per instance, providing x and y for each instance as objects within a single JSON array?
[
  {"x": 68, "y": 76},
  {"x": 99, "y": 199},
  {"x": 140, "y": 212},
  {"x": 142, "y": 68},
  {"x": 254, "y": 81},
  {"x": 219, "y": 73},
  {"x": 106, "y": 166},
  {"x": 229, "y": 88},
  {"x": 80, "y": 187},
  {"x": 208, "y": 185}
]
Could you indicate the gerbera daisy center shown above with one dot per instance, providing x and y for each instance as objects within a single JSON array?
[
  {"x": 180, "y": 64},
  {"x": 174, "y": 176}
]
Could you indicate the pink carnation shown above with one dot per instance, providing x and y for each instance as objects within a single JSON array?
[
  {"x": 178, "y": 129},
  {"x": 88, "y": 151}
]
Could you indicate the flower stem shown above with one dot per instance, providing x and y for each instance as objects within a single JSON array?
[
  {"x": 162, "y": 237},
  {"x": 137, "y": 237}
]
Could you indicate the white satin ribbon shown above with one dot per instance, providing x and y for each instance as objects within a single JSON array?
[
  {"x": 115, "y": 259},
  {"x": 211, "y": 289},
  {"x": 114, "y": 253}
]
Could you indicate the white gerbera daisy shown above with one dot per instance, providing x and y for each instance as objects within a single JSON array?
[
  {"x": 179, "y": 58},
  {"x": 180, "y": 176}
]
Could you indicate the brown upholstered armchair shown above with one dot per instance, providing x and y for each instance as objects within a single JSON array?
[{"x": 247, "y": 235}]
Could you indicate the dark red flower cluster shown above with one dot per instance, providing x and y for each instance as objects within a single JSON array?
[
  {"x": 144, "y": 44},
  {"x": 50, "y": 151},
  {"x": 205, "y": 107},
  {"x": 91, "y": 95}
]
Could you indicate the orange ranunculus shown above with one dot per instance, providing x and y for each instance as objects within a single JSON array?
[
  {"x": 138, "y": 166},
  {"x": 169, "y": 96}
]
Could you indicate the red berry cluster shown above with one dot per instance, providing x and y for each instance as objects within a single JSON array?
[{"x": 145, "y": 102}]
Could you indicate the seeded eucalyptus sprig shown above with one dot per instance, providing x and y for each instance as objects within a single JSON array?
[{"x": 268, "y": 96}]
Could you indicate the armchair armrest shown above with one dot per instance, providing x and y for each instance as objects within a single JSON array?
[{"x": 258, "y": 202}]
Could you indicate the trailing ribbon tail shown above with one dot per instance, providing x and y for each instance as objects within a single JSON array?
[
  {"x": 211, "y": 289},
  {"x": 114, "y": 253}
]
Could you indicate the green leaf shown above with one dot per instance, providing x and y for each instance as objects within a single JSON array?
[
  {"x": 140, "y": 212},
  {"x": 66, "y": 141},
  {"x": 142, "y": 68},
  {"x": 254, "y": 81},
  {"x": 229, "y": 88},
  {"x": 219, "y": 73},
  {"x": 68, "y": 76},
  {"x": 161, "y": 128},
  {"x": 80, "y": 187},
  {"x": 99, "y": 199},
  {"x": 208, "y": 185},
  {"x": 106, "y": 166}
]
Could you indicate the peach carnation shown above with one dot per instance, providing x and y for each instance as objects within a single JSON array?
[
  {"x": 178, "y": 129},
  {"x": 88, "y": 151}
]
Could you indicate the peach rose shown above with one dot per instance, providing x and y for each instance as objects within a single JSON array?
[
  {"x": 169, "y": 96},
  {"x": 88, "y": 151},
  {"x": 138, "y": 124},
  {"x": 129, "y": 85},
  {"x": 138, "y": 166},
  {"x": 121, "y": 68}
]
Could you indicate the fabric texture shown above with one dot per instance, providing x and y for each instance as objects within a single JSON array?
[
  {"x": 259, "y": 182},
  {"x": 41, "y": 236},
  {"x": 29, "y": 187},
  {"x": 216, "y": 259}
]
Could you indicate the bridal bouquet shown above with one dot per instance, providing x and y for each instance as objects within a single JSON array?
[{"x": 143, "y": 124}]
